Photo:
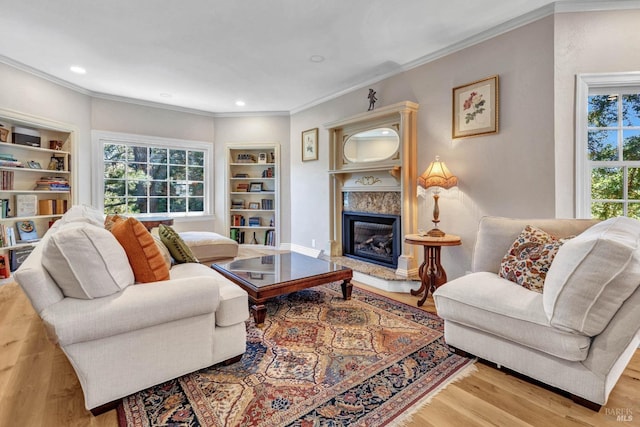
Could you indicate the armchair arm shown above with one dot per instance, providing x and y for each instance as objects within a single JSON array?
[{"x": 137, "y": 307}]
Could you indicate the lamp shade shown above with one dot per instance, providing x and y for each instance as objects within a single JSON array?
[{"x": 437, "y": 175}]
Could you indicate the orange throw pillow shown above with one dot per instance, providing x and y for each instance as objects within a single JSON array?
[{"x": 146, "y": 261}]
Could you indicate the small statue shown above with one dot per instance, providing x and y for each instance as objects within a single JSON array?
[{"x": 372, "y": 99}]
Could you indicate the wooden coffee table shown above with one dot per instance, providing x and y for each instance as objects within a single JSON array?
[{"x": 273, "y": 275}]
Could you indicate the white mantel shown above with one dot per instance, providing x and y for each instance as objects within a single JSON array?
[{"x": 397, "y": 173}]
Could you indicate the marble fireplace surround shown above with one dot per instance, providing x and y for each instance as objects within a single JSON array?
[{"x": 387, "y": 186}]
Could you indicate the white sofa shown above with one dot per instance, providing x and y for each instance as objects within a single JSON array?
[
  {"x": 579, "y": 334},
  {"x": 143, "y": 334}
]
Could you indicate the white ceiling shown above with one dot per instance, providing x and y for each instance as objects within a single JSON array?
[{"x": 207, "y": 54}]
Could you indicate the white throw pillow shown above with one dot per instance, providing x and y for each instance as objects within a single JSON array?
[
  {"x": 86, "y": 261},
  {"x": 592, "y": 275}
]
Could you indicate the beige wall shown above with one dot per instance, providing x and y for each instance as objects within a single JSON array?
[
  {"x": 508, "y": 174},
  {"x": 254, "y": 129},
  {"x": 593, "y": 42}
]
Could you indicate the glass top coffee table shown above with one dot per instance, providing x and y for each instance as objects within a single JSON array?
[{"x": 273, "y": 275}]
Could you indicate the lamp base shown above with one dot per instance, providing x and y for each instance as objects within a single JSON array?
[{"x": 435, "y": 232}]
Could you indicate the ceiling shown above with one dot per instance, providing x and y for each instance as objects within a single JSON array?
[{"x": 208, "y": 54}]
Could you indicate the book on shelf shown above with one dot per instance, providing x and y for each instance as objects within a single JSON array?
[
  {"x": 6, "y": 180},
  {"x": 237, "y": 204},
  {"x": 7, "y": 236},
  {"x": 27, "y": 231},
  {"x": 237, "y": 235},
  {"x": 237, "y": 220},
  {"x": 270, "y": 238},
  {"x": 26, "y": 205},
  {"x": 267, "y": 204},
  {"x": 52, "y": 206},
  {"x": 8, "y": 163},
  {"x": 246, "y": 158},
  {"x": 242, "y": 187},
  {"x": 18, "y": 255},
  {"x": 4, "y": 267},
  {"x": 4, "y": 208},
  {"x": 255, "y": 221}
]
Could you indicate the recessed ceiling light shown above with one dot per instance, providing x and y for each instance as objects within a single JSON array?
[
  {"x": 240, "y": 103},
  {"x": 77, "y": 69},
  {"x": 166, "y": 95},
  {"x": 316, "y": 58}
]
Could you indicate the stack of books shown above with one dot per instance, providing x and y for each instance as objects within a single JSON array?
[
  {"x": 8, "y": 160},
  {"x": 52, "y": 183},
  {"x": 255, "y": 221}
]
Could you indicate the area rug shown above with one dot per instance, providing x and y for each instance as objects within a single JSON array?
[{"x": 317, "y": 361}]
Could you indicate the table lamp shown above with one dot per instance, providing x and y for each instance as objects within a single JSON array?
[{"x": 437, "y": 175}]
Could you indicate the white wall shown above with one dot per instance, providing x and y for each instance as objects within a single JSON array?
[
  {"x": 509, "y": 174},
  {"x": 254, "y": 129},
  {"x": 594, "y": 42}
]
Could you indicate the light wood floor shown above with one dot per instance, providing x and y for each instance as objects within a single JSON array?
[{"x": 39, "y": 388}]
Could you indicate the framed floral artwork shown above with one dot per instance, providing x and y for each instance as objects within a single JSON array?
[
  {"x": 310, "y": 144},
  {"x": 475, "y": 108}
]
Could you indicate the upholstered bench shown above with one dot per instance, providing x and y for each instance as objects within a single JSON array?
[{"x": 208, "y": 246}]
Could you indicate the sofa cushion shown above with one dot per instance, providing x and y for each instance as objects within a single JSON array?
[
  {"x": 83, "y": 213},
  {"x": 111, "y": 220},
  {"x": 144, "y": 256},
  {"x": 86, "y": 261},
  {"x": 177, "y": 247},
  {"x": 489, "y": 303},
  {"x": 592, "y": 275},
  {"x": 528, "y": 259},
  {"x": 166, "y": 256},
  {"x": 233, "y": 307},
  {"x": 206, "y": 245},
  {"x": 73, "y": 321}
]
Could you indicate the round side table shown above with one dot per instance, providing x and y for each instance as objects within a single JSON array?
[{"x": 432, "y": 274}]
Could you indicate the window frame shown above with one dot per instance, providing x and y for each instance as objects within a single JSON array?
[
  {"x": 100, "y": 138},
  {"x": 594, "y": 84}
]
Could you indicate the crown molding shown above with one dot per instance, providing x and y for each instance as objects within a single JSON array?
[
  {"x": 512, "y": 24},
  {"x": 542, "y": 12}
]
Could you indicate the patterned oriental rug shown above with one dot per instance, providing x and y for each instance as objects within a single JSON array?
[{"x": 317, "y": 361}]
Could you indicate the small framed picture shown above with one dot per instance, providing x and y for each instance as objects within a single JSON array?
[
  {"x": 262, "y": 157},
  {"x": 475, "y": 108},
  {"x": 255, "y": 187},
  {"x": 254, "y": 205},
  {"x": 310, "y": 145},
  {"x": 34, "y": 165},
  {"x": 257, "y": 276}
]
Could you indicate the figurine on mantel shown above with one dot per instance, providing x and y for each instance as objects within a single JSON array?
[{"x": 372, "y": 99}]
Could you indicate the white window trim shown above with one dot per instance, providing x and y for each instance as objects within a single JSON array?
[
  {"x": 99, "y": 138},
  {"x": 585, "y": 83}
]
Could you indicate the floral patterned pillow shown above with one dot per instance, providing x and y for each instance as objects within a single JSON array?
[{"x": 529, "y": 258}]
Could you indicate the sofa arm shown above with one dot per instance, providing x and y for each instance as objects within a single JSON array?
[{"x": 136, "y": 307}]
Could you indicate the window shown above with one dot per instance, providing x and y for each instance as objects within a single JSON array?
[
  {"x": 608, "y": 146},
  {"x": 145, "y": 175}
]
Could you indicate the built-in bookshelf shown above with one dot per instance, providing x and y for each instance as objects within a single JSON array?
[
  {"x": 253, "y": 193},
  {"x": 35, "y": 180}
]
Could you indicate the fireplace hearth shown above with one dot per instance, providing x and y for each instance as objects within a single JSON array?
[{"x": 371, "y": 237}]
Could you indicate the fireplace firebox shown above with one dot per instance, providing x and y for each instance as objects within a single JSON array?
[{"x": 371, "y": 237}]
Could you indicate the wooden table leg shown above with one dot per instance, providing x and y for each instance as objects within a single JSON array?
[
  {"x": 423, "y": 278},
  {"x": 347, "y": 287},
  {"x": 259, "y": 314},
  {"x": 432, "y": 275}
]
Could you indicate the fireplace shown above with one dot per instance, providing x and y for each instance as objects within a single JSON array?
[{"x": 371, "y": 237}]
